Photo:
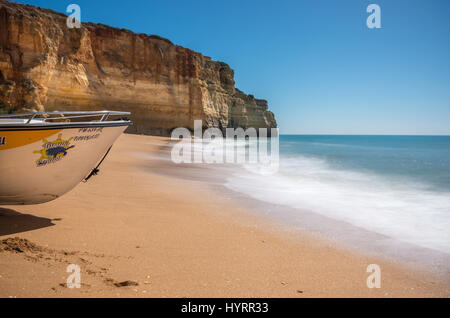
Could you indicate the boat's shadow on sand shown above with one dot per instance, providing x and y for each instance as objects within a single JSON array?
[{"x": 12, "y": 222}]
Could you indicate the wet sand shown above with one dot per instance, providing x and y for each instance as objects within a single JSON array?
[{"x": 138, "y": 233}]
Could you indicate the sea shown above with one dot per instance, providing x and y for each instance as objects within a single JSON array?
[
  {"x": 395, "y": 186},
  {"x": 389, "y": 195}
]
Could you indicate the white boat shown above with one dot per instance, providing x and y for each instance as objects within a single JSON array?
[{"x": 45, "y": 155}]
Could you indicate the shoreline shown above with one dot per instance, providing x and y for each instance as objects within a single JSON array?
[
  {"x": 292, "y": 221},
  {"x": 175, "y": 237}
]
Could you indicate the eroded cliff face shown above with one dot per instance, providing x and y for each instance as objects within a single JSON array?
[{"x": 44, "y": 65}]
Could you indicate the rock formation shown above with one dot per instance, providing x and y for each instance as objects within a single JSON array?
[{"x": 44, "y": 65}]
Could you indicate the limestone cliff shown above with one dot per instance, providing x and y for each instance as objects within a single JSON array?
[{"x": 44, "y": 65}]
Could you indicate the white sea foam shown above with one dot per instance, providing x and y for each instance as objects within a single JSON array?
[{"x": 405, "y": 211}]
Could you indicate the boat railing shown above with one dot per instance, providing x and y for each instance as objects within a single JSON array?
[{"x": 103, "y": 115}]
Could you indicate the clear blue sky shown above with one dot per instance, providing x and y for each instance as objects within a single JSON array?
[{"x": 316, "y": 62}]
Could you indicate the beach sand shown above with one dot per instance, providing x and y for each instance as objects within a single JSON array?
[{"x": 137, "y": 233}]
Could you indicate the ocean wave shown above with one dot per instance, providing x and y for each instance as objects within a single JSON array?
[{"x": 402, "y": 209}]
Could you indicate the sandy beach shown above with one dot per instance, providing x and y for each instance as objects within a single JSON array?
[{"x": 137, "y": 233}]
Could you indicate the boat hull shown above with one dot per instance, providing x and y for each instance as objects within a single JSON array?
[{"x": 39, "y": 165}]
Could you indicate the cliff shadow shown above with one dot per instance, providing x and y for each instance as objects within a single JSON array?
[{"x": 12, "y": 222}]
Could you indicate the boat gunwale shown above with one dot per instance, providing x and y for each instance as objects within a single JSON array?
[
  {"x": 49, "y": 126},
  {"x": 86, "y": 113},
  {"x": 42, "y": 120}
]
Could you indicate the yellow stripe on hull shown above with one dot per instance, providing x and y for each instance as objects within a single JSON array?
[{"x": 14, "y": 139}]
